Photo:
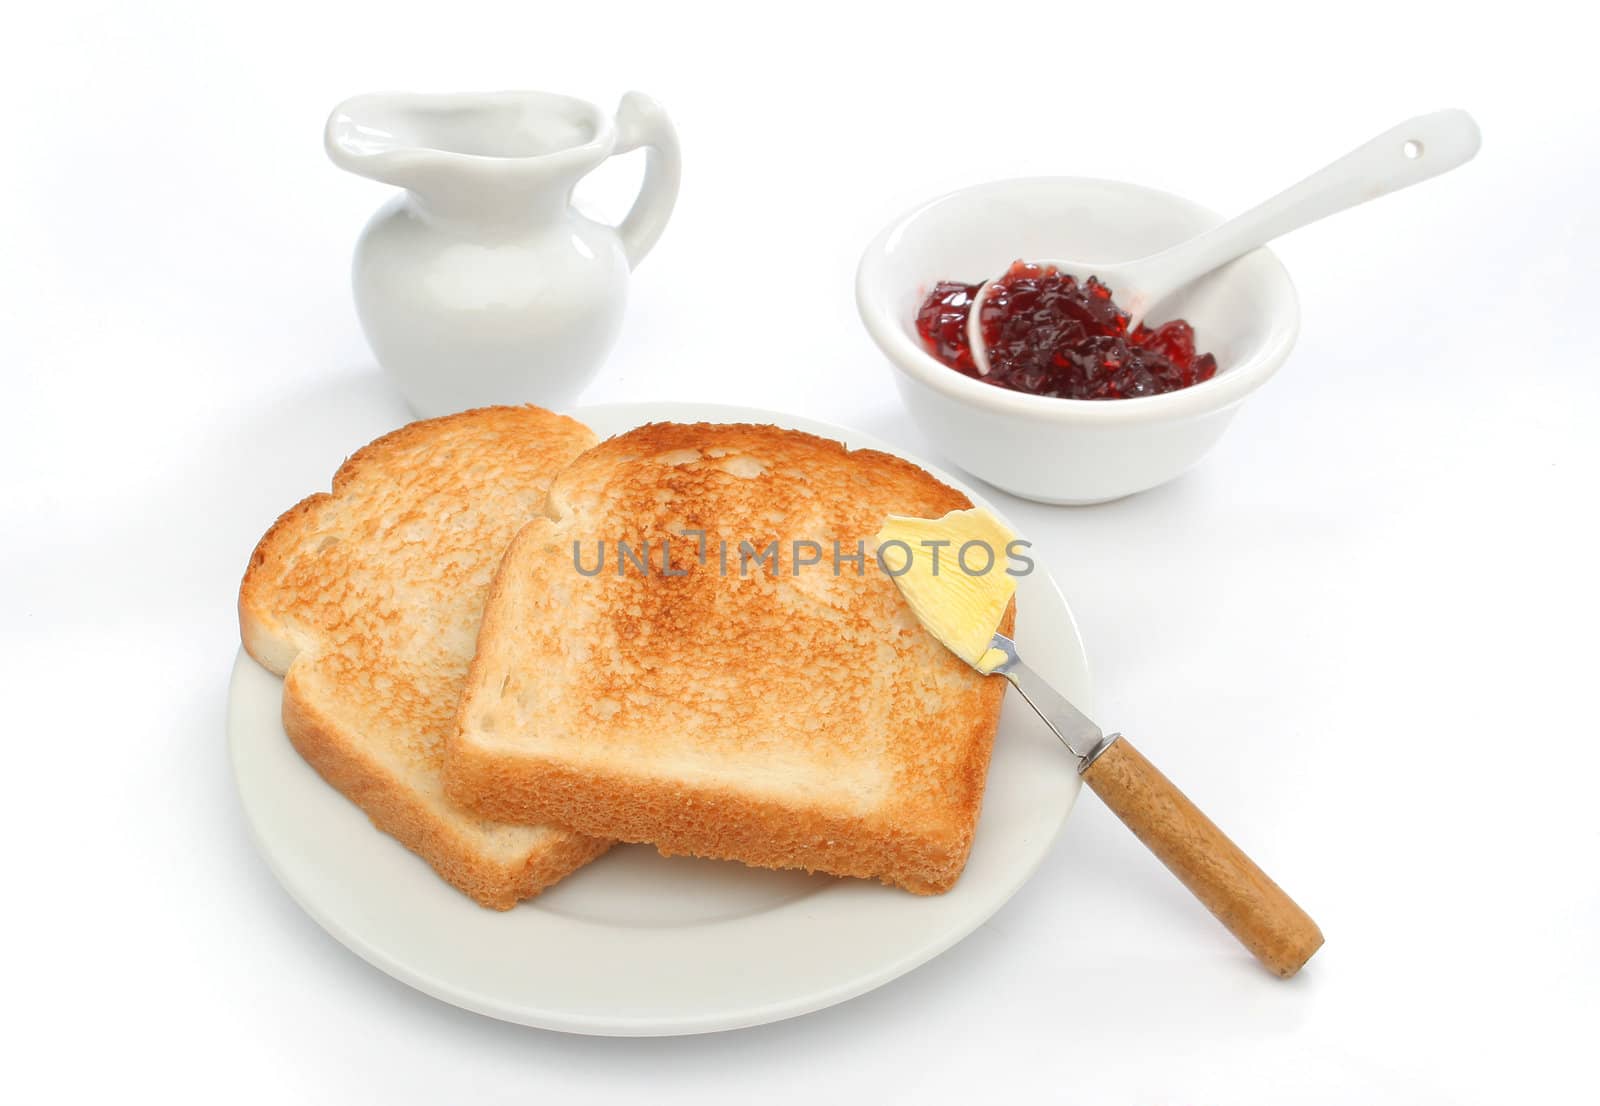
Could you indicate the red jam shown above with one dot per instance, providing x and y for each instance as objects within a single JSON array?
[{"x": 1051, "y": 336}]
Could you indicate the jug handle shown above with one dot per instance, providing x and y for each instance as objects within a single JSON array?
[{"x": 641, "y": 122}]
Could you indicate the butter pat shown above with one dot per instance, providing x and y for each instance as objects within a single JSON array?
[{"x": 953, "y": 572}]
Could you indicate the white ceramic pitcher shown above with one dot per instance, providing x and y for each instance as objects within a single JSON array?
[{"x": 480, "y": 283}]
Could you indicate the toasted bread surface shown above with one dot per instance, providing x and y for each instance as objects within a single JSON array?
[
  {"x": 722, "y": 703},
  {"x": 367, "y": 600}
]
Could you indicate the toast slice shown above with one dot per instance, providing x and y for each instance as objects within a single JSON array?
[
  {"x": 367, "y": 602},
  {"x": 768, "y": 711}
]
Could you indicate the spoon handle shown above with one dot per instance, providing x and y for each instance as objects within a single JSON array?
[{"x": 1398, "y": 158}]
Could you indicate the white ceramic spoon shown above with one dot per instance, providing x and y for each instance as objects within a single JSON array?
[{"x": 1414, "y": 151}]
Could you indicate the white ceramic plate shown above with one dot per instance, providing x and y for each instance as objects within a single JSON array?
[{"x": 636, "y": 944}]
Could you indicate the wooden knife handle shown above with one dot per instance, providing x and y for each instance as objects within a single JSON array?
[{"x": 1255, "y": 910}]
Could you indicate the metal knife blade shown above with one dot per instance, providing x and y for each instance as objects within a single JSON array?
[{"x": 1076, "y": 730}]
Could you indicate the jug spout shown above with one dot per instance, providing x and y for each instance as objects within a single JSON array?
[{"x": 504, "y": 156}]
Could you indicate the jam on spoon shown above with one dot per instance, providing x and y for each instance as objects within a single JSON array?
[{"x": 1049, "y": 335}]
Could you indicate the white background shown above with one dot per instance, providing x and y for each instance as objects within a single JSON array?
[{"x": 1361, "y": 634}]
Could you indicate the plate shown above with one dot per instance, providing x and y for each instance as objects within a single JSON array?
[{"x": 637, "y": 944}]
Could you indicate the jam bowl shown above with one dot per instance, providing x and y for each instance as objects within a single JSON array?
[{"x": 1043, "y": 447}]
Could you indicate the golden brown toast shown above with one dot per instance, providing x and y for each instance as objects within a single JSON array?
[
  {"x": 788, "y": 720},
  {"x": 368, "y": 600}
]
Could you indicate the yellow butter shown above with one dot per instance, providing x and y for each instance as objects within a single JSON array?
[{"x": 959, "y": 590}]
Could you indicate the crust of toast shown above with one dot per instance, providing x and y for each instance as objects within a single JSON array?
[
  {"x": 398, "y": 811},
  {"x": 785, "y": 721},
  {"x": 367, "y": 599}
]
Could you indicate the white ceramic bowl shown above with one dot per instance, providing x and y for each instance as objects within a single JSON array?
[{"x": 1069, "y": 450}]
